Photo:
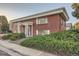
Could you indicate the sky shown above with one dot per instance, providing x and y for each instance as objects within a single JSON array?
[{"x": 17, "y": 10}]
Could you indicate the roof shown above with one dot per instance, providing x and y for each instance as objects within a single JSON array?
[{"x": 55, "y": 11}]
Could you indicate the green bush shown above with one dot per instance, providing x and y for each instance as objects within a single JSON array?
[
  {"x": 62, "y": 43},
  {"x": 66, "y": 35},
  {"x": 13, "y": 36},
  {"x": 6, "y": 37},
  {"x": 21, "y": 35}
]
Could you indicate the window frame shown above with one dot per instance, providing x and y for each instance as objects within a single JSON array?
[
  {"x": 37, "y": 32},
  {"x": 38, "y": 20}
]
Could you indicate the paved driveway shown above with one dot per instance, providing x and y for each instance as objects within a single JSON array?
[
  {"x": 17, "y": 50},
  {"x": 8, "y": 52},
  {"x": 2, "y": 53}
]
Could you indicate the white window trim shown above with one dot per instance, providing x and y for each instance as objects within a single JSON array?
[
  {"x": 48, "y": 32},
  {"x": 37, "y": 20},
  {"x": 36, "y": 32}
]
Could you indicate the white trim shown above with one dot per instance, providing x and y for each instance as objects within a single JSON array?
[
  {"x": 47, "y": 32},
  {"x": 36, "y": 20},
  {"x": 26, "y": 30},
  {"x": 39, "y": 19},
  {"x": 41, "y": 14},
  {"x": 32, "y": 31},
  {"x": 36, "y": 32},
  {"x": 18, "y": 27}
]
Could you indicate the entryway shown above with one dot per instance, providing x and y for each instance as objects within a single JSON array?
[{"x": 27, "y": 30}]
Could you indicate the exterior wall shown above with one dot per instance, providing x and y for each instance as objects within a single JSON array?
[
  {"x": 13, "y": 27},
  {"x": 54, "y": 24},
  {"x": 62, "y": 24}
]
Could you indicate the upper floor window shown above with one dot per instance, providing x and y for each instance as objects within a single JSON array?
[{"x": 43, "y": 20}]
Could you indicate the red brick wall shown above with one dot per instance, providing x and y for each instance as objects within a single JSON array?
[
  {"x": 54, "y": 24},
  {"x": 62, "y": 24}
]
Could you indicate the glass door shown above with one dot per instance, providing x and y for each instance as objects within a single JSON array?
[{"x": 29, "y": 30}]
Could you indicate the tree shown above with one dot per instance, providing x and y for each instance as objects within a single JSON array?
[
  {"x": 76, "y": 26},
  {"x": 75, "y": 7},
  {"x": 4, "y": 26}
]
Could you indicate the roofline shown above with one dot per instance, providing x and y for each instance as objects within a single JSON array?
[{"x": 55, "y": 11}]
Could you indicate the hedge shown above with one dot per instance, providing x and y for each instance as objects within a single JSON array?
[
  {"x": 61, "y": 43},
  {"x": 13, "y": 36}
]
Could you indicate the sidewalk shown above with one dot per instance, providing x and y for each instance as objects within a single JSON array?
[
  {"x": 7, "y": 51},
  {"x": 23, "y": 50}
]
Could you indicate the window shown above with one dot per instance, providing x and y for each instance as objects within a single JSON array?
[
  {"x": 42, "y": 32},
  {"x": 41, "y": 20}
]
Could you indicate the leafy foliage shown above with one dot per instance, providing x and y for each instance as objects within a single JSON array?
[
  {"x": 75, "y": 13},
  {"x": 61, "y": 43},
  {"x": 13, "y": 36},
  {"x": 76, "y": 26},
  {"x": 4, "y": 24}
]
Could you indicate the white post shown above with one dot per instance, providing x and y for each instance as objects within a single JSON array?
[
  {"x": 32, "y": 31},
  {"x": 18, "y": 27},
  {"x": 26, "y": 30}
]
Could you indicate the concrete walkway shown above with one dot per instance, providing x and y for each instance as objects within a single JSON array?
[
  {"x": 9, "y": 52},
  {"x": 23, "y": 50}
]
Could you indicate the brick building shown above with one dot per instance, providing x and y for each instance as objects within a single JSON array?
[{"x": 41, "y": 23}]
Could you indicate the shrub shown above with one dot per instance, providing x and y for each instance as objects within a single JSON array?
[
  {"x": 6, "y": 37},
  {"x": 21, "y": 35},
  {"x": 9, "y": 31},
  {"x": 13, "y": 36},
  {"x": 62, "y": 43}
]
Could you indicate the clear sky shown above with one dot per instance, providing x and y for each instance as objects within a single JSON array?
[{"x": 13, "y": 11}]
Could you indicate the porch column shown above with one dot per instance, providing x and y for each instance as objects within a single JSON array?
[
  {"x": 26, "y": 30},
  {"x": 18, "y": 27},
  {"x": 32, "y": 30}
]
